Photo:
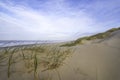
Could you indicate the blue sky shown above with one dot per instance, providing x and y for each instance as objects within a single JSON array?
[{"x": 56, "y": 19}]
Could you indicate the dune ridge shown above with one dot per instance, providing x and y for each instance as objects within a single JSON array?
[{"x": 96, "y": 58}]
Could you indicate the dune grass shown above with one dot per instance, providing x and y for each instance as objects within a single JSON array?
[
  {"x": 36, "y": 59},
  {"x": 3, "y": 56},
  {"x": 54, "y": 59},
  {"x": 93, "y": 37},
  {"x": 35, "y": 67},
  {"x": 10, "y": 61}
]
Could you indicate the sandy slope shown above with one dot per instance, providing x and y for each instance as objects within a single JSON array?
[{"x": 94, "y": 60}]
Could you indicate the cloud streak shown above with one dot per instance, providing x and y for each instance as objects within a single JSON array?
[{"x": 52, "y": 20}]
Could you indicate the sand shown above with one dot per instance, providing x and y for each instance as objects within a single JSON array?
[{"x": 94, "y": 60}]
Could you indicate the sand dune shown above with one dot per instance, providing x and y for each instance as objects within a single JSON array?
[{"x": 93, "y": 60}]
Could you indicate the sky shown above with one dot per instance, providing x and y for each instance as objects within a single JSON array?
[{"x": 56, "y": 19}]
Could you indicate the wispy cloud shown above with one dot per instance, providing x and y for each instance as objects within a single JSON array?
[{"x": 52, "y": 20}]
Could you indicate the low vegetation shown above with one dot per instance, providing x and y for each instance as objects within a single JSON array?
[
  {"x": 34, "y": 59},
  {"x": 97, "y": 36}
]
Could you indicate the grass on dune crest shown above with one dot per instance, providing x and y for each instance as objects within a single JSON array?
[
  {"x": 35, "y": 59},
  {"x": 93, "y": 37}
]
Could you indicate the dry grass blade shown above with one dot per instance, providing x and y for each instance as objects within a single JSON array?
[
  {"x": 10, "y": 61},
  {"x": 35, "y": 66}
]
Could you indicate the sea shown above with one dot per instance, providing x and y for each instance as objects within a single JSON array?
[{"x": 8, "y": 43}]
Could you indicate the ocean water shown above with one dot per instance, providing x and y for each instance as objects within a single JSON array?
[{"x": 8, "y": 43}]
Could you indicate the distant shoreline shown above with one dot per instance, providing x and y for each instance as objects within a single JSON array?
[{"x": 19, "y": 43}]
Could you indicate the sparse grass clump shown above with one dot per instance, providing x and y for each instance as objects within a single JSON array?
[
  {"x": 3, "y": 56},
  {"x": 54, "y": 59}
]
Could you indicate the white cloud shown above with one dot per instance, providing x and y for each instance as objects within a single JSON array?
[{"x": 60, "y": 22}]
